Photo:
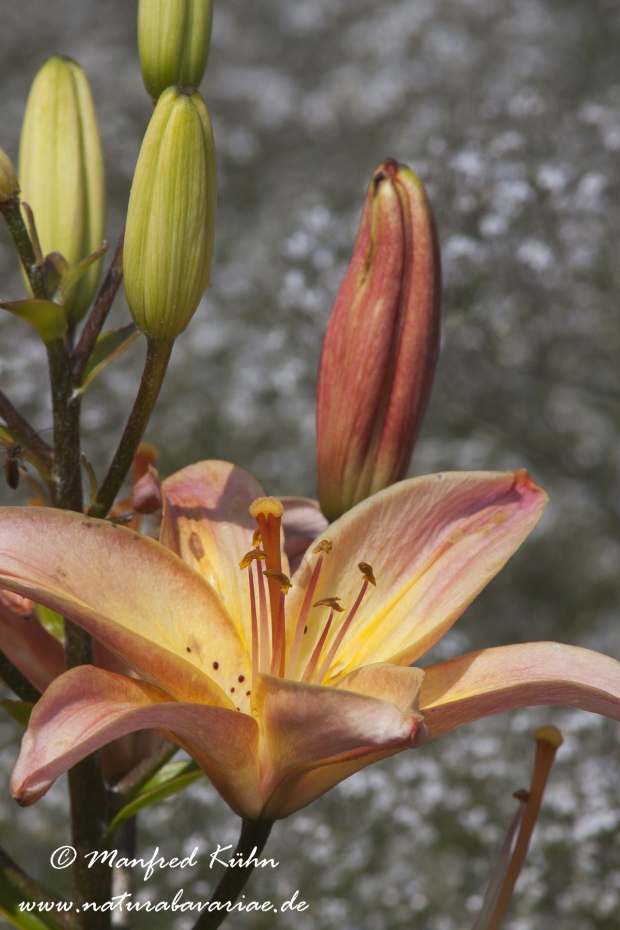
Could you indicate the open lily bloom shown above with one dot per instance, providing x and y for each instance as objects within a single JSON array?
[{"x": 279, "y": 696}]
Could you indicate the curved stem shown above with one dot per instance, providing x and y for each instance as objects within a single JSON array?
[
  {"x": 254, "y": 835},
  {"x": 97, "y": 316},
  {"x": 25, "y": 250},
  {"x": 17, "y": 682},
  {"x": 155, "y": 365},
  {"x": 24, "y": 432}
]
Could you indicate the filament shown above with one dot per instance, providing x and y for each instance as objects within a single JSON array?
[
  {"x": 341, "y": 634},
  {"x": 254, "y": 625},
  {"x": 314, "y": 658},
  {"x": 298, "y": 635},
  {"x": 265, "y": 645}
]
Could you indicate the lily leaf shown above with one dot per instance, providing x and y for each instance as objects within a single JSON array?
[
  {"x": 14, "y": 891},
  {"x": 71, "y": 276},
  {"x": 47, "y": 317},
  {"x": 107, "y": 347},
  {"x": 19, "y": 710},
  {"x": 172, "y": 777},
  {"x": 52, "y": 621}
]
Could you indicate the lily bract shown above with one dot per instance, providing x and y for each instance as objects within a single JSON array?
[{"x": 280, "y": 687}]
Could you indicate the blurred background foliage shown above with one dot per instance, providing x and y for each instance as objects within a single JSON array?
[{"x": 510, "y": 112}]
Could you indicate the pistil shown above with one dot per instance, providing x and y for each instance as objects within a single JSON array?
[
  {"x": 265, "y": 646},
  {"x": 278, "y": 631},
  {"x": 267, "y": 511}
]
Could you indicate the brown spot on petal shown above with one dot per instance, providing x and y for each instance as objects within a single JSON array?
[
  {"x": 196, "y": 546},
  {"x": 216, "y": 665},
  {"x": 241, "y": 678}
]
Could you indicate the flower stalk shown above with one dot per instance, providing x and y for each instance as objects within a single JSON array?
[
  {"x": 157, "y": 357},
  {"x": 254, "y": 834}
]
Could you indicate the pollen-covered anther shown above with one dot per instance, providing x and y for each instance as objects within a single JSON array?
[
  {"x": 323, "y": 546},
  {"x": 256, "y": 538},
  {"x": 250, "y": 556},
  {"x": 266, "y": 506},
  {"x": 367, "y": 572},
  {"x": 282, "y": 579},
  {"x": 330, "y": 602}
]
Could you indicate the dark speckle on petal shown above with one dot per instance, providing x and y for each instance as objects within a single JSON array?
[{"x": 196, "y": 546}]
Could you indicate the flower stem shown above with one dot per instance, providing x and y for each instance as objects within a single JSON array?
[
  {"x": 97, "y": 316},
  {"x": 157, "y": 358},
  {"x": 24, "y": 432},
  {"x": 548, "y": 740},
  {"x": 18, "y": 683},
  {"x": 25, "y": 250},
  {"x": 254, "y": 835}
]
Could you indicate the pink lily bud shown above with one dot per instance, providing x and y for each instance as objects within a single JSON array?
[{"x": 381, "y": 345}]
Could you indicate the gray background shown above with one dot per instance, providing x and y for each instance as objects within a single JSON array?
[{"x": 510, "y": 112}]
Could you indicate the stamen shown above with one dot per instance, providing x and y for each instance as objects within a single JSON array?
[
  {"x": 367, "y": 572},
  {"x": 343, "y": 629},
  {"x": 323, "y": 546},
  {"x": 330, "y": 602},
  {"x": 256, "y": 538},
  {"x": 254, "y": 625},
  {"x": 548, "y": 741},
  {"x": 265, "y": 646},
  {"x": 282, "y": 579},
  {"x": 298, "y": 635},
  {"x": 249, "y": 557},
  {"x": 501, "y": 867},
  {"x": 314, "y": 658}
]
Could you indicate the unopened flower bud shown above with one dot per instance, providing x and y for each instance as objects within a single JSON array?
[
  {"x": 61, "y": 172},
  {"x": 173, "y": 41},
  {"x": 381, "y": 345},
  {"x": 9, "y": 185},
  {"x": 171, "y": 216}
]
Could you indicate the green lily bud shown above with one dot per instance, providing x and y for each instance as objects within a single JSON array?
[
  {"x": 9, "y": 185},
  {"x": 173, "y": 41},
  {"x": 61, "y": 171},
  {"x": 171, "y": 216}
]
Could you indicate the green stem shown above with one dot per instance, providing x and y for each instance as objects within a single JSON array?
[
  {"x": 87, "y": 790},
  {"x": 66, "y": 413},
  {"x": 155, "y": 365},
  {"x": 130, "y": 784},
  {"x": 24, "y": 432},
  {"x": 254, "y": 835},
  {"x": 17, "y": 682},
  {"x": 19, "y": 233},
  {"x": 97, "y": 316}
]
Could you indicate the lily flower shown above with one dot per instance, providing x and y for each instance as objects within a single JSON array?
[{"x": 282, "y": 687}]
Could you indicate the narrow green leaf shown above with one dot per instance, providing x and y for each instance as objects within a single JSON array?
[
  {"x": 48, "y": 318},
  {"x": 53, "y": 622},
  {"x": 10, "y": 900},
  {"x": 172, "y": 777},
  {"x": 19, "y": 710},
  {"x": 107, "y": 347},
  {"x": 71, "y": 277}
]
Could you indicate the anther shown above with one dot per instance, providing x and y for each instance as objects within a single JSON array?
[
  {"x": 249, "y": 557},
  {"x": 256, "y": 538},
  {"x": 367, "y": 572},
  {"x": 330, "y": 602},
  {"x": 323, "y": 546},
  {"x": 282, "y": 579}
]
